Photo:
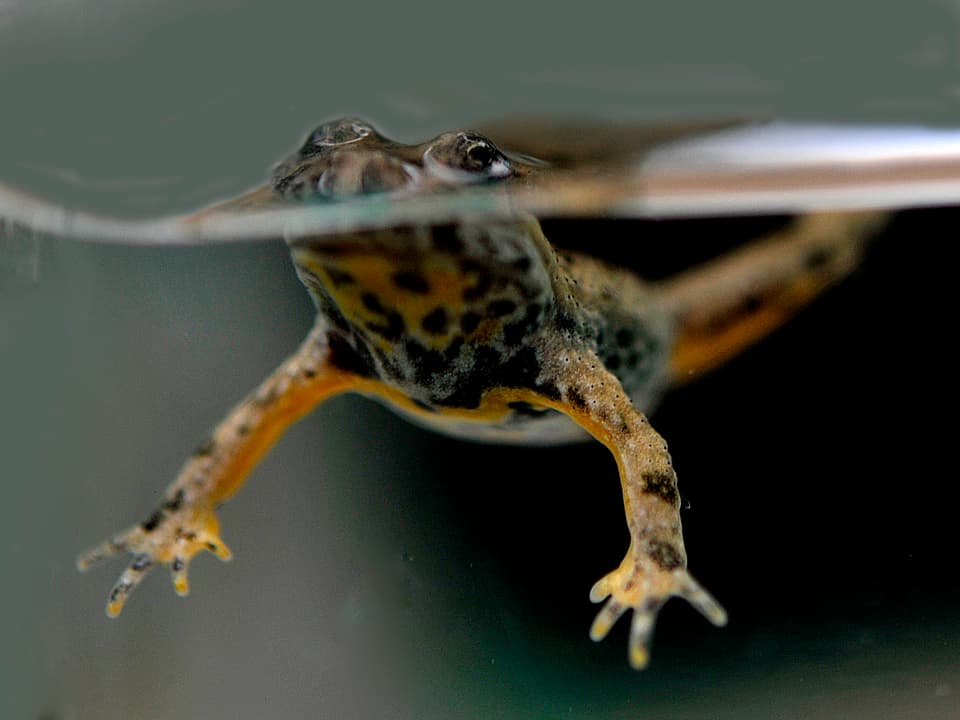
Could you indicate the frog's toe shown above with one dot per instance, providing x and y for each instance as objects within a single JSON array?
[
  {"x": 95, "y": 555},
  {"x": 171, "y": 536},
  {"x": 629, "y": 588},
  {"x": 136, "y": 571},
  {"x": 641, "y": 627},
  {"x": 694, "y": 593}
]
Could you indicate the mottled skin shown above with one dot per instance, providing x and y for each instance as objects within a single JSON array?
[{"x": 482, "y": 330}]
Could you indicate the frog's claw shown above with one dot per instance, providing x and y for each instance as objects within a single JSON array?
[
  {"x": 170, "y": 536},
  {"x": 629, "y": 588}
]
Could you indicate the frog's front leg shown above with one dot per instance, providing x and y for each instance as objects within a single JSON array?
[
  {"x": 185, "y": 523},
  {"x": 655, "y": 567}
]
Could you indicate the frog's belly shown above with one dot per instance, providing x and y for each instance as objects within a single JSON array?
[
  {"x": 530, "y": 427},
  {"x": 522, "y": 424}
]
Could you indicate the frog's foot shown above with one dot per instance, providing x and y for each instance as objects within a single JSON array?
[
  {"x": 172, "y": 535},
  {"x": 632, "y": 586}
]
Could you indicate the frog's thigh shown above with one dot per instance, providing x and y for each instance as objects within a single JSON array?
[
  {"x": 576, "y": 383},
  {"x": 724, "y": 306}
]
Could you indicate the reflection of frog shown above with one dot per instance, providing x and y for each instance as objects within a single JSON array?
[{"x": 481, "y": 330}]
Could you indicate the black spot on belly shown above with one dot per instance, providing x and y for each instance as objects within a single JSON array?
[
  {"x": 393, "y": 329},
  {"x": 624, "y": 338},
  {"x": 483, "y": 283},
  {"x": 435, "y": 322},
  {"x": 664, "y": 554},
  {"x": 346, "y": 357},
  {"x": 338, "y": 277},
  {"x": 372, "y": 303},
  {"x": 411, "y": 281},
  {"x": 445, "y": 238},
  {"x": 499, "y": 308},
  {"x": 469, "y": 322}
]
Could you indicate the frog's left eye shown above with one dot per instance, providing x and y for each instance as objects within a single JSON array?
[
  {"x": 465, "y": 157},
  {"x": 334, "y": 134}
]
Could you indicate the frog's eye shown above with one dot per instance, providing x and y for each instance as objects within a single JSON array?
[
  {"x": 334, "y": 134},
  {"x": 465, "y": 157},
  {"x": 350, "y": 174}
]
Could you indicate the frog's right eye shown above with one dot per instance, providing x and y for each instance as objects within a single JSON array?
[
  {"x": 465, "y": 157},
  {"x": 334, "y": 134}
]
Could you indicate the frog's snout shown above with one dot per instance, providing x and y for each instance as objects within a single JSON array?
[
  {"x": 366, "y": 173},
  {"x": 345, "y": 174}
]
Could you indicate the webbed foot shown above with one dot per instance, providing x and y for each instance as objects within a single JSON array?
[
  {"x": 635, "y": 586},
  {"x": 171, "y": 536}
]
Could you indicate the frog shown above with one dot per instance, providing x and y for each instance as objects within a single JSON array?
[{"x": 478, "y": 327}]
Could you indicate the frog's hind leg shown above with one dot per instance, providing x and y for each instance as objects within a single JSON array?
[
  {"x": 185, "y": 523},
  {"x": 724, "y": 306}
]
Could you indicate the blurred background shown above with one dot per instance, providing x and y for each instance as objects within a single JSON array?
[{"x": 383, "y": 572}]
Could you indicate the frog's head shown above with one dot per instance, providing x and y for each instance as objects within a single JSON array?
[{"x": 348, "y": 157}]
